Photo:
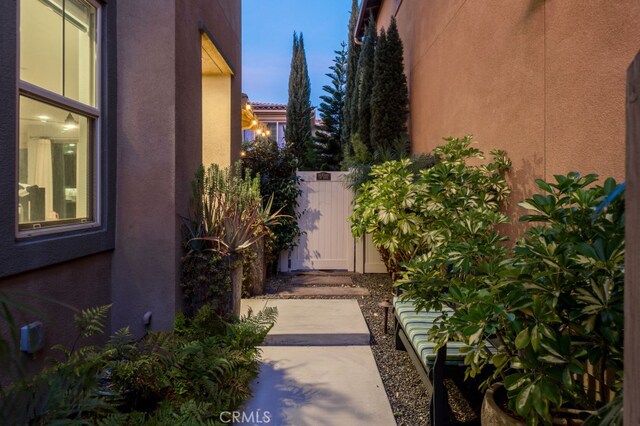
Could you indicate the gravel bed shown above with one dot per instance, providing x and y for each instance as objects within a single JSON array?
[{"x": 407, "y": 394}]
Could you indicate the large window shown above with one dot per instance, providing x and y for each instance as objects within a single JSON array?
[{"x": 59, "y": 115}]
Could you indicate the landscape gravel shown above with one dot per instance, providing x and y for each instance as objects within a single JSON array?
[{"x": 407, "y": 394}]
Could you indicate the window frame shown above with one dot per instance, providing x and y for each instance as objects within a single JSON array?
[
  {"x": 25, "y": 255},
  {"x": 93, "y": 113}
]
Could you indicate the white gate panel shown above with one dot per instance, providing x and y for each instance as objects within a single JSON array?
[{"x": 326, "y": 242}]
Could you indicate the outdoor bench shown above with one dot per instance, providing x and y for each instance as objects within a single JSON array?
[{"x": 411, "y": 331}]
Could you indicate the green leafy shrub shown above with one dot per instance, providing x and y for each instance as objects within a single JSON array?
[
  {"x": 276, "y": 170},
  {"x": 205, "y": 279},
  {"x": 188, "y": 376},
  {"x": 418, "y": 216},
  {"x": 548, "y": 308}
]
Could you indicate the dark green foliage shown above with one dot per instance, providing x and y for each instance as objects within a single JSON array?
[
  {"x": 361, "y": 163},
  {"x": 416, "y": 216},
  {"x": 365, "y": 85},
  {"x": 328, "y": 138},
  {"x": 550, "y": 306},
  {"x": 67, "y": 391},
  {"x": 390, "y": 96},
  {"x": 205, "y": 279},
  {"x": 222, "y": 200},
  {"x": 298, "y": 130},
  {"x": 350, "y": 100},
  {"x": 277, "y": 171},
  {"x": 184, "y": 377}
]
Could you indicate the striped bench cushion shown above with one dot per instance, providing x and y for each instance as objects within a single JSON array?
[{"x": 416, "y": 326}]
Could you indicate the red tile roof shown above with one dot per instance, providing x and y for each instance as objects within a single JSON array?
[{"x": 268, "y": 106}]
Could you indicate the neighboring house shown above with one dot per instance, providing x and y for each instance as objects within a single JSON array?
[
  {"x": 543, "y": 80},
  {"x": 108, "y": 107},
  {"x": 273, "y": 122},
  {"x": 273, "y": 118}
]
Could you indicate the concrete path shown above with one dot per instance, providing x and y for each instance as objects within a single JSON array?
[
  {"x": 314, "y": 322},
  {"x": 317, "y": 368}
]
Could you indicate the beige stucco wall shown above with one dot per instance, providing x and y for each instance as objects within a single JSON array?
[
  {"x": 544, "y": 80},
  {"x": 216, "y": 120}
]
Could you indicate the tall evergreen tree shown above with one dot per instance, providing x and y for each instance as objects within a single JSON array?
[
  {"x": 298, "y": 131},
  {"x": 365, "y": 86},
  {"x": 328, "y": 140},
  {"x": 350, "y": 101},
  {"x": 389, "y": 98}
]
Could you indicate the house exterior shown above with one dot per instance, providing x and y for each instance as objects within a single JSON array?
[
  {"x": 273, "y": 118},
  {"x": 108, "y": 108},
  {"x": 543, "y": 80}
]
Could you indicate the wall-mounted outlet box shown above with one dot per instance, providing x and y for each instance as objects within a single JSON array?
[{"x": 31, "y": 337}]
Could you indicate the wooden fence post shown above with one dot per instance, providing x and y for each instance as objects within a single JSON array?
[{"x": 632, "y": 257}]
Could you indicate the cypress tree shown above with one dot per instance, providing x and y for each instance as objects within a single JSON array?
[
  {"x": 350, "y": 101},
  {"x": 328, "y": 141},
  {"x": 389, "y": 98},
  {"x": 365, "y": 86},
  {"x": 298, "y": 130}
]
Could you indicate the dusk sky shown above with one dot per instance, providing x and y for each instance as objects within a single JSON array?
[{"x": 267, "y": 37}]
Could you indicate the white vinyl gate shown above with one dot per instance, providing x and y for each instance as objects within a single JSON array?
[{"x": 326, "y": 242}]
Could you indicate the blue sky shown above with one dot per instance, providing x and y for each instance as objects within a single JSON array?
[{"x": 267, "y": 37}]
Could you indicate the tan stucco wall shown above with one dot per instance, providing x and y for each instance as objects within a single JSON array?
[
  {"x": 160, "y": 144},
  {"x": 216, "y": 120},
  {"x": 544, "y": 80}
]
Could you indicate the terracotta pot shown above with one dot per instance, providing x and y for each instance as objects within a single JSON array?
[{"x": 492, "y": 414}]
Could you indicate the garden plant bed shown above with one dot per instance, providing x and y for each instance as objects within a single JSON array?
[{"x": 407, "y": 394}]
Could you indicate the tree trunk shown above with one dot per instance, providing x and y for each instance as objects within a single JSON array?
[{"x": 236, "y": 284}]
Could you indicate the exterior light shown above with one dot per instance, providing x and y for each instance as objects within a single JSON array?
[
  {"x": 268, "y": 132},
  {"x": 248, "y": 106},
  {"x": 243, "y": 154},
  {"x": 254, "y": 122}
]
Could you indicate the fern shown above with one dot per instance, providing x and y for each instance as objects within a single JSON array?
[{"x": 90, "y": 321}]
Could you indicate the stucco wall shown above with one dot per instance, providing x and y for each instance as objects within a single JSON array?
[
  {"x": 544, "y": 80},
  {"x": 81, "y": 283},
  {"x": 145, "y": 267},
  {"x": 216, "y": 130},
  {"x": 160, "y": 144}
]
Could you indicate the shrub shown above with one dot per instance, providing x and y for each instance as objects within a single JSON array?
[
  {"x": 227, "y": 218},
  {"x": 205, "y": 279},
  {"x": 276, "y": 169},
  {"x": 188, "y": 376},
  {"x": 548, "y": 308},
  {"x": 418, "y": 215}
]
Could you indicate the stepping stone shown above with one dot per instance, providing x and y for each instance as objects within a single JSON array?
[
  {"x": 325, "y": 291},
  {"x": 325, "y": 273},
  {"x": 337, "y": 385},
  {"x": 335, "y": 280},
  {"x": 314, "y": 322}
]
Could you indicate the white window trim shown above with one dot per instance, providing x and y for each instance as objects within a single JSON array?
[{"x": 32, "y": 91}]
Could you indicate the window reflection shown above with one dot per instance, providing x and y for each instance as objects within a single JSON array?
[{"x": 59, "y": 54}]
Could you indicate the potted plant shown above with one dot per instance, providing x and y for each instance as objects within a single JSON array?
[
  {"x": 540, "y": 317},
  {"x": 227, "y": 218}
]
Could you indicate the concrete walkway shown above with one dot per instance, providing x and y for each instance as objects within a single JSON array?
[{"x": 317, "y": 367}]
